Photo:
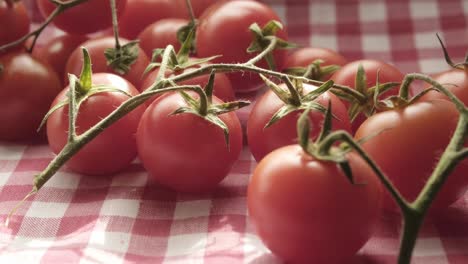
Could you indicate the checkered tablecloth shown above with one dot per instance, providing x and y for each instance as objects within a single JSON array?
[{"x": 127, "y": 219}]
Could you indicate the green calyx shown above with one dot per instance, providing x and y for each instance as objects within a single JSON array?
[
  {"x": 262, "y": 38},
  {"x": 120, "y": 59},
  {"x": 294, "y": 99},
  {"x": 180, "y": 60},
  {"x": 206, "y": 109},
  {"x": 313, "y": 71},
  {"x": 322, "y": 148},
  {"x": 82, "y": 88},
  {"x": 369, "y": 103}
]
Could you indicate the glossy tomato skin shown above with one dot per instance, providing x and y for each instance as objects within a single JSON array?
[
  {"x": 96, "y": 48},
  {"x": 455, "y": 81},
  {"x": 303, "y": 57},
  {"x": 222, "y": 87},
  {"x": 57, "y": 50},
  {"x": 198, "y": 6},
  {"x": 263, "y": 140},
  {"x": 139, "y": 14},
  {"x": 88, "y": 17},
  {"x": 408, "y": 146},
  {"x": 189, "y": 154},
  {"x": 27, "y": 88},
  {"x": 224, "y": 30},
  {"x": 306, "y": 211},
  {"x": 14, "y": 22},
  {"x": 113, "y": 149},
  {"x": 160, "y": 34}
]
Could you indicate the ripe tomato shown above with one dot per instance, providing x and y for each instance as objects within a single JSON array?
[
  {"x": 96, "y": 48},
  {"x": 102, "y": 155},
  {"x": 306, "y": 210},
  {"x": 139, "y": 14},
  {"x": 263, "y": 140},
  {"x": 160, "y": 34},
  {"x": 88, "y": 17},
  {"x": 189, "y": 154},
  {"x": 198, "y": 6},
  {"x": 409, "y": 143},
  {"x": 14, "y": 20},
  {"x": 57, "y": 50},
  {"x": 305, "y": 56},
  {"x": 222, "y": 87},
  {"x": 224, "y": 30},
  {"x": 27, "y": 88},
  {"x": 347, "y": 75},
  {"x": 455, "y": 80}
]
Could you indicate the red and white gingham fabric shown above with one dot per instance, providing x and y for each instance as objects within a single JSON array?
[{"x": 126, "y": 219}]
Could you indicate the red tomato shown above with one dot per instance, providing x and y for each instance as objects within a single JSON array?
[
  {"x": 160, "y": 34},
  {"x": 306, "y": 211},
  {"x": 198, "y": 6},
  {"x": 113, "y": 149},
  {"x": 96, "y": 48},
  {"x": 88, "y": 17},
  {"x": 57, "y": 50},
  {"x": 305, "y": 56},
  {"x": 189, "y": 154},
  {"x": 27, "y": 88},
  {"x": 14, "y": 20},
  {"x": 140, "y": 13},
  {"x": 222, "y": 86},
  {"x": 264, "y": 140},
  {"x": 347, "y": 75},
  {"x": 410, "y": 143},
  {"x": 455, "y": 80},
  {"x": 224, "y": 30}
]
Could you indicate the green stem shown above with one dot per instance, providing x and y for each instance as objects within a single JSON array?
[
  {"x": 61, "y": 7},
  {"x": 295, "y": 96},
  {"x": 190, "y": 10},
  {"x": 115, "y": 24},
  {"x": 271, "y": 46},
  {"x": 412, "y": 221}
]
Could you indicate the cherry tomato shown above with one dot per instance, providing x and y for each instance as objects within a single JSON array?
[
  {"x": 305, "y": 56},
  {"x": 57, "y": 50},
  {"x": 160, "y": 34},
  {"x": 139, "y": 14},
  {"x": 455, "y": 80},
  {"x": 224, "y": 30},
  {"x": 27, "y": 88},
  {"x": 407, "y": 143},
  {"x": 387, "y": 73},
  {"x": 264, "y": 140},
  {"x": 14, "y": 20},
  {"x": 222, "y": 86},
  {"x": 96, "y": 48},
  {"x": 306, "y": 210},
  {"x": 85, "y": 18},
  {"x": 198, "y": 6},
  {"x": 189, "y": 154},
  {"x": 113, "y": 149}
]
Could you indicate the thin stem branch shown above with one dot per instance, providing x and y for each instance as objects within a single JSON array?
[
  {"x": 333, "y": 137},
  {"x": 190, "y": 11},
  {"x": 72, "y": 109},
  {"x": 115, "y": 24},
  {"x": 271, "y": 46},
  {"x": 61, "y": 7}
]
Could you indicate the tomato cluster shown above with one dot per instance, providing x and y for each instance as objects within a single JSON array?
[{"x": 189, "y": 140}]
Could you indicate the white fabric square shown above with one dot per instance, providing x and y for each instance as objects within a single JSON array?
[
  {"x": 190, "y": 245},
  {"x": 47, "y": 210},
  {"x": 376, "y": 42},
  {"x": 371, "y": 12},
  {"x": 121, "y": 207},
  {"x": 322, "y": 12},
  {"x": 64, "y": 180},
  {"x": 110, "y": 241},
  {"x": 11, "y": 151},
  {"x": 426, "y": 40},
  {"x": 190, "y": 209},
  {"x": 324, "y": 41},
  {"x": 424, "y": 9},
  {"x": 428, "y": 66},
  {"x": 427, "y": 247}
]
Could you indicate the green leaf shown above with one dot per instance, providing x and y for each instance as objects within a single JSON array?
[
  {"x": 227, "y": 107},
  {"x": 282, "y": 112},
  {"x": 360, "y": 81},
  {"x": 446, "y": 55},
  {"x": 353, "y": 111},
  {"x": 280, "y": 92},
  {"x": 327, "y": 123},
  {"x": 218, "y": 122},
  {"x": 120, "y": 60},
  {"x": 189, "y": 100},
  {"x": 193, "y": 62},
  {"x": 186, "y": 37},
  {"x": 183, "y": 110},
  {"x": 186, "y": 48},
  {"x": 157, "y": 54},
  {"x": 51, "y": 111},
  {"x": 296, "y": 71},
  {"x": 151, "y": 67},
  {"x": 303, "y": 130},
  {"x": 86, "y": 81},
  {"x": 271, "y": 28},
  {"x": 209, "y": 87},
  {"x": 106, "y": 89},
  {"x": 320, "y": 90},
  {"x": 346, "y": 168},
  {"x": 282, "y": 44}
]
